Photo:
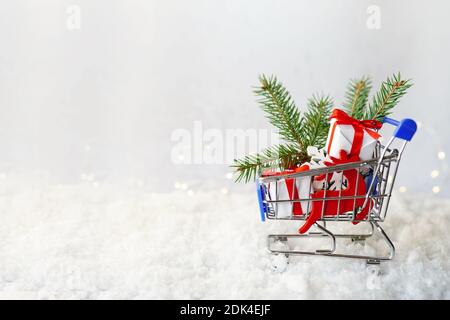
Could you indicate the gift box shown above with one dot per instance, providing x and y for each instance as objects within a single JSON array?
[
  {"x": 356, "y": 137},
  {"x": 354, "y": 186},
  {"x": 335, "y": 181},
  {"x": 290, "y": 189}
]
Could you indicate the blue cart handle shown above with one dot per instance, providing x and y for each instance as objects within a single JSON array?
[{"x": 406, "y": 128}]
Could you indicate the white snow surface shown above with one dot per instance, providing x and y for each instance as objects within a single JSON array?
[{"x": 91, "y": 241}]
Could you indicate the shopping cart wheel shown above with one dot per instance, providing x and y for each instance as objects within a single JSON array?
[
  {"x": 280, "y": 262},
  {"x": 374, "y": 270}
]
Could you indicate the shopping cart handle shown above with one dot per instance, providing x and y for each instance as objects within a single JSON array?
[{"x": 406, "y": 128}]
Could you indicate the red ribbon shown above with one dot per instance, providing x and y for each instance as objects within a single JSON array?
[
  {"x": 270, "y": 173},
  {"x": 291, "y": 186},
  {"x": 344, "y": 157},
  {"x": 359, "y": 126}
]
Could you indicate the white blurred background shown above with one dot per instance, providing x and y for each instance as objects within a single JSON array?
[{"x": 92, "y": 90}]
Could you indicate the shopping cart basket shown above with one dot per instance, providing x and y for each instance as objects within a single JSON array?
[{"x": 379, "y": 176}]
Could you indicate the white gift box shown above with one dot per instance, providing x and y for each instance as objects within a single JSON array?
[
  {"x": 341, "y": 137},
  {"x": 336, "y": 181},
  {"x": 288, "y": 191}
]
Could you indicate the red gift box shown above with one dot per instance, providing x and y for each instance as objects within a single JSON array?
[{"x": 355, "y": 187}]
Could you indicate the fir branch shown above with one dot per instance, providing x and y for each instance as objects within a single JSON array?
[
  {"x": 299, "y": 132},
  {"x": 356, "y": 97},
  {"x": 281, "y": 156},
  {"x": 281, "y": 111},
  {"x": 312, "y": 128},
  {"x": 315, "y": 122},
  {"x": 387, "y": 97}
]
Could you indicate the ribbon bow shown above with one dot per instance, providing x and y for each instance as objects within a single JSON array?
[{"x": 360, "y": 126}]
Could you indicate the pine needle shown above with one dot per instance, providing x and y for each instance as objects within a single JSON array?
[
  {"x": 280, "y": 109},
  {"x": 315, "y": 121},
  {"x": 356, "y": 97},
  {"x": 277, "y": 157},
  {"x": 299, "y": 132},
  {"x": 387, "y": 97}
]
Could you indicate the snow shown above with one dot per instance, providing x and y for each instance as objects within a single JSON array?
[{"x": 94, "y": 241}]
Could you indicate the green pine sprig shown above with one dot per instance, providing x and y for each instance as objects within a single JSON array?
[
  {"x": 315, "y": 121},
  {"x": 280, "y": 109},
  {"x": 281, "y": 156},
  {"x": 311, "y": 127},
  {"x": 356, "y": 97},
  {"x": 299, "y": 131},
  {"x": 387, "y": 97}
]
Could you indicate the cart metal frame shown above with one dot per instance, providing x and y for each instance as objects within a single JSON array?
[{"x": 382, "y": 170}]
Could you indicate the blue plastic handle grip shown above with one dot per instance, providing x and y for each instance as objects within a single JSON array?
[
  {"x": 262, "y": 205},
  {"x": 406, "y": 128}
]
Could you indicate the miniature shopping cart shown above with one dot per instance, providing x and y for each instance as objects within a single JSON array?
[{"x": 379, "y": 176}]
